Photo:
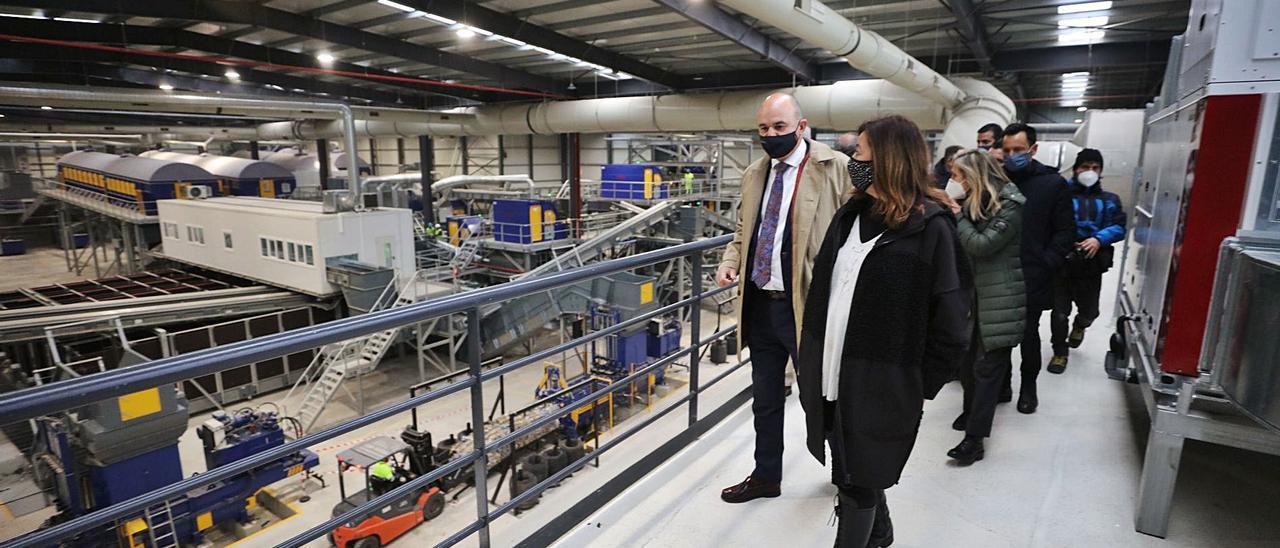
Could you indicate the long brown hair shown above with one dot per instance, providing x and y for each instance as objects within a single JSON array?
[{"x": 901, "y": 176}]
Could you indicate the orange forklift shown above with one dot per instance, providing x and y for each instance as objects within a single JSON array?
[{"x": 408, "y": 458}]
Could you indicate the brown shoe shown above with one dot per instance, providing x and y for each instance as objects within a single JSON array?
[{"x": 750, "y": 489}]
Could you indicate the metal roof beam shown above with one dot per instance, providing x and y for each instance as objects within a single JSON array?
[
  {"x": 126, "y": 35},
  {"x": 723, "y": 23},
  {"x": 59, "y": 60},
  {"x": 255, "y": 14},
  {"x": 1069, "y": 58},
  {"x": 520, "y": 29}
]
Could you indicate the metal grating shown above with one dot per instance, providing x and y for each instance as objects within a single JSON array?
[{"x": 133, "y": 286}]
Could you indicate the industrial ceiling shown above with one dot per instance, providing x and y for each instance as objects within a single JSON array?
[{"x": 1050, "y": 56}]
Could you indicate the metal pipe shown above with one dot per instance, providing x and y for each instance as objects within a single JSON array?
[{"x": 867, "y": 51}]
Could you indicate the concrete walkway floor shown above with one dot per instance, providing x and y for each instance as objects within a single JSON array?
[{"x": 1065, "y": 476}]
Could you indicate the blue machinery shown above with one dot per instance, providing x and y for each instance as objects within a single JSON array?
[
  {"x": 56, "y": 397},
  {"x": 117, "y": 449}
]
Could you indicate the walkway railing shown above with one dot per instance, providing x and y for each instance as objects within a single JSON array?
[{"x": 64, "y": 395}]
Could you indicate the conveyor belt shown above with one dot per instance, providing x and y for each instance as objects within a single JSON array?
[{"x": 93, "y": 317}]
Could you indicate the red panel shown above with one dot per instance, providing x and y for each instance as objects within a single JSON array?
[{"x": 1213, "y": 205}]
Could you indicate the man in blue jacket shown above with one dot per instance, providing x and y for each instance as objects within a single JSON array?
[{"x": 1099, "y": 219}]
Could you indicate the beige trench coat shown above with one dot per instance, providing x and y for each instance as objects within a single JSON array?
[{"x": 823, "y": 188}]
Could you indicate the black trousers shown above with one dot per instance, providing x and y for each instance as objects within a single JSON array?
[
  {"x": 982, "y": 378},
  {"x": 1029, "y": 349},
  {"x": 1067, "y": 290},
  {"x": 772, "y": 339}
]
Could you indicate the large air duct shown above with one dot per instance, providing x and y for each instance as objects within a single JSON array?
[{"x": 970, "y": 103}]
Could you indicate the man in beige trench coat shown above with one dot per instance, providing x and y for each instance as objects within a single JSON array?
[{"x": 788, "y": 199}]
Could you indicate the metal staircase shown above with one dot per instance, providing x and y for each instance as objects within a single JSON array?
[
  {"x": 160, "y": 525},
  {"x": 467, "y": 252},
  {"x": 336, "y": 362}
]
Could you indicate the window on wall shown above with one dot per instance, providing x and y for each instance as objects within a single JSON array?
[
  {"x": 293, "y": 253},
  {"x": 266, "y": 249},
  {"x": 171, "y": 231},
  {"x": 195, "y": 234},
  {"x": 310, "y": 258},
  {"x": 226, "y": 239}
]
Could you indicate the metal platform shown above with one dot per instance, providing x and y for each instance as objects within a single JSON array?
[
  {"x": 96, "y": 204},
  {"x": 545, "y": 245}
]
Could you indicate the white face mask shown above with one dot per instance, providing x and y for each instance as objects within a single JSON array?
[
  {"x": 955, "y": 190},
  {"x": 1088, "y": 178}
]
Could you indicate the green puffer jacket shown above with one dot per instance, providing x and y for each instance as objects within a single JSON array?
[{"x": 994, "y": 247}]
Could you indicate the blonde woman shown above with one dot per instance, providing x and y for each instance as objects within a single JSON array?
[{"x": 990, "y": 231}]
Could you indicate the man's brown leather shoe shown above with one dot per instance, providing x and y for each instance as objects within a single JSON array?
[{"x": 750, "y": 489}]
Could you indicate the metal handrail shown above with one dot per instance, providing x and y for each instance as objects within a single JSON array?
[{"x": 72, "y": 393}]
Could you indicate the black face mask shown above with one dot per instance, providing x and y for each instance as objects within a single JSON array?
[
  {"x": 778, "y": 146},
  {"x": 861, "y": 173}
]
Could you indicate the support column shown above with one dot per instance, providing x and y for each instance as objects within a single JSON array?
[
  {"x": 322, "y": 152},
  {"x": 253, "y": 150},
  {"x": 373, "y": 156},
  {"x": 531, "y": 156},
  {"x": 400, "y": 151},
  {"x": 466, "y": 155},
  {"x": 502, "y": 156},
  {"x": 426, "y": 165},
  {"x": 1159, "y": 474},
  {"x": 575, "y": 182}
]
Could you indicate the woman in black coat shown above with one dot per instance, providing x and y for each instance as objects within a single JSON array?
[{"x": 901, "y": 288}]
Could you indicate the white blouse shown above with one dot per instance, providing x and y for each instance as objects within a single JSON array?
[{"x": 843, "y": 281}]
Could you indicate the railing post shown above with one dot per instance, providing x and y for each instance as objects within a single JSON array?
[
  {"x": 695, "y": 335},
  {"x": 477, "y": 424}
]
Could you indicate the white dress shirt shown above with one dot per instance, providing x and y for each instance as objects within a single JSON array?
[
  {"x": 844, "y": 279},
  {"x": 788, "y": 190}
]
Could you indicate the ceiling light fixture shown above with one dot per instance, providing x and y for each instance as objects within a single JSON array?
[
  {"x": 465, "y": 32},
  {"x": 75, "y": 20},
  {"x": 166, "y": 87},
  {"x": 324, "y": 57},
  {"x": 397, "y": 5},
  {"x": 442, "y": 20},
  {"x": 46, "y": 107},
  {"x": 1078, "y": 121},
  {"x": 1071, "y": 75},
  {"x": 1072, "y": 102},
  {"x": 1082, "y": 109},
  {"x": 1085, "y": 22},
  {"x": 1085, "y": 7},
  {"x": 232, "y": 74},
  {"x": 1081, "y": 36}
]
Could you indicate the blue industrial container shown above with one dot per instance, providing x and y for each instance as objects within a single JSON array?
[
  {"x": 527, "y": 221},
  {"x": 79, "y": 241},
  {"x": 636, "y": 173},
  {"x": 12, "y": 247}
]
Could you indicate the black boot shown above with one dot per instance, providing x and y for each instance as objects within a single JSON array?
[
  {"x": 969, "y": 451},
  {"x": 1006, "y": 394},
  {"x": 960, "y": 423},
  {"x": 853, "y": 524},
  {"x": 882, "y": 528},
  {"x": 1027, "y": 400}
]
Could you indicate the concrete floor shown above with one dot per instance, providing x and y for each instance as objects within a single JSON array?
[
  {"x": 39, "y": 266},
  {"x": 1065, "y": 476}
]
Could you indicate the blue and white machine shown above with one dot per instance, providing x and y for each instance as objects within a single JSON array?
[{"x": 123, "y": 447}]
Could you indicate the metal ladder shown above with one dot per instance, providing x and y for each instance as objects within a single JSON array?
[
  {"x": 160, "y": 525},
  {"x": 466, "y": 254},
  {"x": 358, "y": 356}
]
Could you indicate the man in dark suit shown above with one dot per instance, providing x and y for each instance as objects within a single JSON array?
[{"x": 1048, "y": 230}]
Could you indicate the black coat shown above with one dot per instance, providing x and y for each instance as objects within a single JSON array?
[
  {"x": 909, "y": 328},
  {"x": 1048, "y": 230}
]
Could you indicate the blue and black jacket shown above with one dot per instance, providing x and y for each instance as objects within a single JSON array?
[{"x": 1098, "y": 214}]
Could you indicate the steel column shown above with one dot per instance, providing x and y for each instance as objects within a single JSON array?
[
  {"x": 574, "y": 165},
  {"x": 253, "y": 150},
  {"x": 695, "y": 335},
  {"x": 322, "y": 152},
  {"x": 427, "y": 165},
  {"x": 477, "y": 423}
]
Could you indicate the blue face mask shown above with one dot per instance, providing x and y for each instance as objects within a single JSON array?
[{"x": 1017, "y": 162}]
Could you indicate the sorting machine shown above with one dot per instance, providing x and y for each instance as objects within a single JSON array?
[
  {"x": 120, "y": 448},
  {"x": 236, "y": 176},
  {"x": 131, "y": 182},
  {"x": 1197, "y": 303}
]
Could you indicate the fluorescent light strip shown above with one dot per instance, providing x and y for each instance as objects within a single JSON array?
[
  {"x": 397, "y": 5},
  {"x": 1078, "y": 37},
  {"x": 1070, "y": 75},
  {"x": 1079, "y": 22},
  {"x": 74, "y": 20},
  {"x": 1085, "y": 7},
  {"x": 439, "y": 19}
]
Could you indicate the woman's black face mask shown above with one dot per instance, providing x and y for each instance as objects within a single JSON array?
[{"x": 861, "y": 173}]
